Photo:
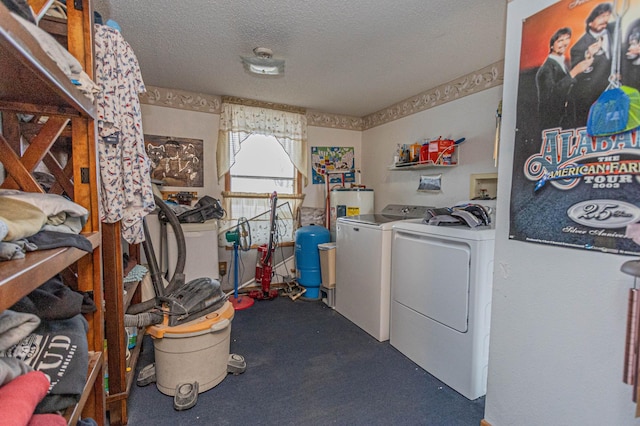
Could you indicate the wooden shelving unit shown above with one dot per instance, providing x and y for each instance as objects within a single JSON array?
[
  {"x": 31, "y": 83},
  {"x": 116, "y": 304}
]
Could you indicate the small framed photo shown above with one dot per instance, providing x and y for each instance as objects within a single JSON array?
[{"x": 430, "y": 183}]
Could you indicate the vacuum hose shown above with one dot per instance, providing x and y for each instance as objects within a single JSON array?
[
  {"x": 137, "y": 315},
  {"x": 142, "y": 307},
  {"x": 142, "y": 320},
  {"x": 177, "y": 280}
]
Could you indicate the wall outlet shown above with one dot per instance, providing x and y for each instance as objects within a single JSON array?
[{"x": 222, "y": 268}]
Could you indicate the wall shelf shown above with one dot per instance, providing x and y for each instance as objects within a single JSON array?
[
  {"x": 429, "y": 164},
  {"x": 421, "y": 166}
]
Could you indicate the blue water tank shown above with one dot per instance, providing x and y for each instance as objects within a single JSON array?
[{"x": 307, "y": 257}]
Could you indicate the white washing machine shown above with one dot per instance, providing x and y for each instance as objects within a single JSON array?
[
  {"x": 363, "y": 266},
  {"x": 441, "y": 280}
]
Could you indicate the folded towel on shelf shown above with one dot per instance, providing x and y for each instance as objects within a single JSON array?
[
  {"x": 60, "y": 350},
  {"x": 15, "y": 326},
  {"x": 67, "y": 63},
  {"x": 10, "y": 251},
  {"x": 19, "y": 398},
  {"x": 21, "y": 218},
  {"x": 16, "y": 249},
  {"x": 64, "y": 223},
  {"x": 47, "y": 420},
  {"x": 4, "y": 230},
  {"x": 63, "y": 215},
  {"x": 10, "y": 368}
]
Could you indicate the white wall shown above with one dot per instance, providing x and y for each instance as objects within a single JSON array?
[
  {"x": 558, "y": 315},
  {"x": 471, "y": 117},
  {"x": 163, "y": 121}
]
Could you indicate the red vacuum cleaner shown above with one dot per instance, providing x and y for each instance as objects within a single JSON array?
[{"x": 264, "y": 266}]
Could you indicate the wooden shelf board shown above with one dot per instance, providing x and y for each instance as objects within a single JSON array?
[
  {"x": 33, "y": 80},
  {"x": 133, "y": 359},
  {"x": 21, "y": 276},
  {"x": 131, "y": 365},
  {"x": 117, "y": 403},
  {"x": 73, "y": 413}
]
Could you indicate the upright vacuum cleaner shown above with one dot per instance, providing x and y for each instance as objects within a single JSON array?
[
  {"x": 190, "y": 324},
  {"x": 264, "y": 266}
]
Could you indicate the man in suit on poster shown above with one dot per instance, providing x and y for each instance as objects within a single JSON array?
[
  {"x": 596, "y": 43},
  {"x": 631, "y": 58},
  {"x": 555, "y": 81}
]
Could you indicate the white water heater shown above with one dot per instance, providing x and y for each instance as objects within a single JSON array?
[{"x": 349, "y": 202}]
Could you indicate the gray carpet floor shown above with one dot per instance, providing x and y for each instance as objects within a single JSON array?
[{"x": 308, "y": 365}]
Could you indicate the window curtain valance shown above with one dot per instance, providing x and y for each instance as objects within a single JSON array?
[{"x": 238, "y": 122}]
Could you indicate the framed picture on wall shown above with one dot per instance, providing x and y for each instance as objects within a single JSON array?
[
  {"x": 430, "y": 183},
  {"x": 176, "y": 161}
]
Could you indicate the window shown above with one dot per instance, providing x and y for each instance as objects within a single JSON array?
[
  {"x": 262, "y": 166},
  {"x": 261, "y": 149}
]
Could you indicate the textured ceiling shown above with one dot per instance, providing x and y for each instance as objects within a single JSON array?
[{"x": 351, "y": 57}]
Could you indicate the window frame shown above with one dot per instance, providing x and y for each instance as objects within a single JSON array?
[
  {"x": 297, "y": 185},
  {"x": 297, "y": 194}
]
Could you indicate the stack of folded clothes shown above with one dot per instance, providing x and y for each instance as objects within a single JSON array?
[
  {"x": 37, "y": 221},
  {"x": 43, "y": 355}
]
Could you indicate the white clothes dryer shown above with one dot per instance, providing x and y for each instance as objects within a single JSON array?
[{"x": 441, "y": 281}]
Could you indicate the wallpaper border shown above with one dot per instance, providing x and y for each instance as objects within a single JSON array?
[{"x": 477, "y": 81}]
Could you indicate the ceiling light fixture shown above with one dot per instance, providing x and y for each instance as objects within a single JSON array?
[{"x": 263, "y": 63}]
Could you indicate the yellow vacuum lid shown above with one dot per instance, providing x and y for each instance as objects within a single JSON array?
[{"x": 218, "y": 319}]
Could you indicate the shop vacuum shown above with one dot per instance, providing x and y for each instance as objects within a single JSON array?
[{"x": 190, "y": 324}]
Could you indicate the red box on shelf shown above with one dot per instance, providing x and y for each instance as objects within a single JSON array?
[
  {"x": 441, "y": 150},
  {"x": 424, "y": 153}
]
